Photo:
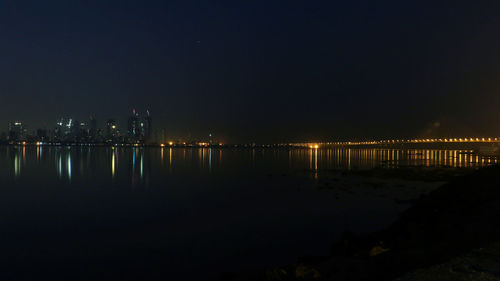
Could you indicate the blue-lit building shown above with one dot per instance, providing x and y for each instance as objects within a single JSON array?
[
  {"x": 139, "y": 130},
  {"x": 133, "y": 127}
]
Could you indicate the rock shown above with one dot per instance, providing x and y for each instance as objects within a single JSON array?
[{"x": 377, "y": 250}]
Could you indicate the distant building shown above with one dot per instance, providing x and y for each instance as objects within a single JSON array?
[
  {"x": 3, "y": 137},
  {"x": 17, "y": 132},
  {"x": 41, "y": 135},
  {"x": 92, "y": 130},
  {"x": 163, "y": 135},
  {"x": 148, "y": 127},
  {"x": 59, "y": 131},
  {"x": 67, "y": 130},
  {"x": 133, "y": 125},
  {"x": 76, "y": 133},
  {"x": 112, "y": 132},
  {"x": 62, "y": 129},
  {"x": 140, "y": 129},
  {"x": 82, "y": 132}
]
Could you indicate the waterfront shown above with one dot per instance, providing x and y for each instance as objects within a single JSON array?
[
  {"x": 103, "y": 212},
  {"x": 137, "y": 164}
]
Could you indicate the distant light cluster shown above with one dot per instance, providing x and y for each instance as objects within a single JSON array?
[
  {"x": 69, "y": 131},
  {"x": 398, "y": 141}
]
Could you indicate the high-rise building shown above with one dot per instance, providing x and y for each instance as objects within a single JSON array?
[
  {"x": 148, "y": 127},
  {"x": 111, "y": 130},
  {"x": 140, "y": 129},
  {"x": 66, "y": 130},
  {"x": 3, "y": 137},
  {"x": 59, "y": 131},
  {"x": 75, "y": 131},
  {"x": 41, "y": 135},
  {"x": 133, "y": 127},
  {"x": 163, "y": 135},
  {"x": 17, "y": 132},
  {"x": 82, "y": 132},
  {"x": 92, "y": 132}
]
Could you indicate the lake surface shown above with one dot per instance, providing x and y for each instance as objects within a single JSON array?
[{"x": 88, "y": 213}]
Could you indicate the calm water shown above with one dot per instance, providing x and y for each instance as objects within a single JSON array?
[{"x": 79, "y": 213}]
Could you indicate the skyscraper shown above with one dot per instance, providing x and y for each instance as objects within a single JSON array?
[
  {"x": 149, "y": 127},
  {"x": 133, "y": 129},
  {"x": 17, "y": 132},
  {"x": 92, "y": 128},
  {"x": 111, "y": 130},
  {"x": 140, "y": 129},
  {"x": 41, "y": 135},
  {"x": 163, "y": 135}
]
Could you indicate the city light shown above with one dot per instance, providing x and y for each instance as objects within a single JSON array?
[
  {"x": 392, "y": 142},
  {"x": 70, "y": 132}
]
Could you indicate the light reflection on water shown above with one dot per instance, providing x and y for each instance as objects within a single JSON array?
[
  {"x": 188, "y": 204},
  {"x": 139, "y": 165}
]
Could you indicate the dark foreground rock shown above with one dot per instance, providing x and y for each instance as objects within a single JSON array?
[
  {"x": 481, "y": 264},
  {"x": 457, "y": 219}
]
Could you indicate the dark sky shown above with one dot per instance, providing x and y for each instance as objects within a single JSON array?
[{"x": 256, "y": 71}]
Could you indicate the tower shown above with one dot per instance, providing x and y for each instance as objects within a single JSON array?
[
  {"x": 148, "y": 127},
  {"x": 16, "y": 131},
  {"x": 111, "y": 130},
  {"x": 133, "y": 127},
  {"x": 92, "y": 128}
]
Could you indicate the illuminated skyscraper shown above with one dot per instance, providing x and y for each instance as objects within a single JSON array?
[
  {"x": 111, "y": 130},
  {"x": 83, "y": 131},
  {"x": 65, "y": 130},
  {"x": 17, "y": 132},
  {"x": 140, "y": 129},
  {"x": 133, "y": 127}
]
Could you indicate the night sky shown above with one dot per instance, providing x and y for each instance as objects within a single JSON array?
[{"x": 260, "y": 71}]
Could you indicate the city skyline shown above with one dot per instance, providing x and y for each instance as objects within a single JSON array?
[
  {"x": 136, "y": 128},
  {"x": 263, "y": 72},
  {"x": 139, "y": 130}
]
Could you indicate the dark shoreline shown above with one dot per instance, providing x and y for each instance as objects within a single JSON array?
[{"x": 451, "y": 221}]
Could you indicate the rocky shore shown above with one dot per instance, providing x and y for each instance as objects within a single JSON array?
[{"x": 451, "y": 233}]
